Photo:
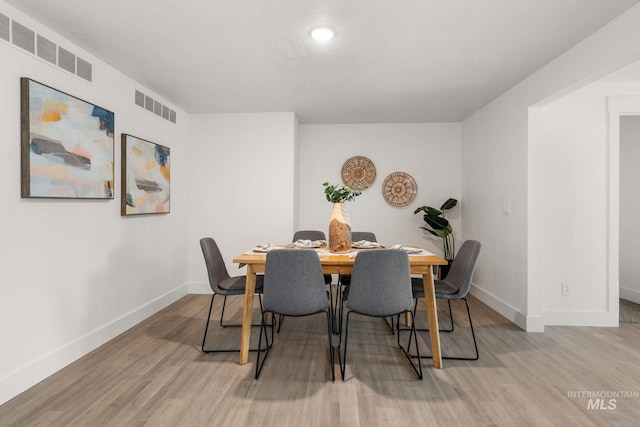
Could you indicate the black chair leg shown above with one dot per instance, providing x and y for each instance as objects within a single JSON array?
[
  {"x": 206, "y": 328},
  {"x": 416, "y": 369},
  {"x": 415, "y": 308},
  {"x": 329, "y": 336},
  {"x": 263, "y": 332},
  {"x": 343, "y": 359},
  {"x": 263, "y": 329},
  {"x": 453, "y": 326},
  {"x": 473, "y": 335},
  {"x": 414, "y": 335},
  {"x": 280, "y": 319},
  {"x": 224, "y": 303}
]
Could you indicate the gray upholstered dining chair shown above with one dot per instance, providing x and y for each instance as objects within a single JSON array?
[
  {"x": 309, "y": 235},
  {"x": 223, "y": 284},
  {"x": 380, "y": 287},
  {"x": 356, "y": 236},
  {"x": 312, "y": 235},
  {"x": 293, "y": 286},
  {"x": 456, "y": 286},
  {"x": 345, "y": 279}
]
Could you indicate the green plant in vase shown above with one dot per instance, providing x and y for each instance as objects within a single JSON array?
[
  {"x": 439, "y": 226},
  {"x": 339, "y": 193},
  {"x": 340, "y": 223}
]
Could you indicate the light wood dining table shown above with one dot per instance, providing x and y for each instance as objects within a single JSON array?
[{"x": 342, "y": 264}]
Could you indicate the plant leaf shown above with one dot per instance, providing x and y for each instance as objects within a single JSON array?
[
  {"x": 443, "y": 232},
  {"x": 449, "y": 204},
  {"x": 433, "y": 211},
  {"x": 437, "y": 223},
  {"x": 429, "y": 230},
  {"x": 420, "y": 209}
]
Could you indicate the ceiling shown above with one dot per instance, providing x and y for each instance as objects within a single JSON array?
[{"x": 392, "y": 61}]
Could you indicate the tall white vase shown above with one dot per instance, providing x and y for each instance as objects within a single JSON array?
[{"x": 339, "y": 229}]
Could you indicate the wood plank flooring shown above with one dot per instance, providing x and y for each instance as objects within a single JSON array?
[{"x": 155, "y": 375}]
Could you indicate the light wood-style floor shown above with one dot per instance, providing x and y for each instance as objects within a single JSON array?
[{"x": 155, "y": 375}]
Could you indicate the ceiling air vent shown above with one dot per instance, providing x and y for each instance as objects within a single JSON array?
[{"x": 153, "y": 106}]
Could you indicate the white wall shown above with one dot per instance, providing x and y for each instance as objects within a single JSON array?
[
  {"x": 570, "y": 187},
  {"x": 629, "y": 208},
  {"x": 577, "y": 164},
  {"x": 74, "y": 272},
  {"x": 430, "y": 153},
  {"x": 498, "y": 144},
  {"x": 242, "y": 192}
]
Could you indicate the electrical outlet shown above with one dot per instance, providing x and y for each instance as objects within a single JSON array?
[
  {"x": 506, "y": 208},
  {"x": 566, "y": 289}
]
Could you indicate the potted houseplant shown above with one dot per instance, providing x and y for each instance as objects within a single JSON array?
[
  {"x": 340, "y": 223},
  {"x": 440, "y": 227}
]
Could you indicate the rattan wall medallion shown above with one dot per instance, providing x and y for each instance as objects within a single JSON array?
[
  {"x": 358, "y": 173},
  {"x": 399, "y": 189}
]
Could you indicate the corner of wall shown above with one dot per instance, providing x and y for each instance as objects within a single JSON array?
[{"x": 508, "y": 311}]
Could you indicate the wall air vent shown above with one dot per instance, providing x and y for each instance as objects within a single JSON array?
[
  {"x": 83, "y": 69},
  {"x": 153, "y": 106},
  {"x": 66, "y": 60},
  {"x": 23, "y": 37},
  {"x": 28, "y": 40},
  {"x": 5, "y": 27},
  {"x": 139, "y": 99},
  {"x": 47, "y": 49}
]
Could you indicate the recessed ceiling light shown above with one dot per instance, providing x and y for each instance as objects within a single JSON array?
[{"x": 322, "y": 33}]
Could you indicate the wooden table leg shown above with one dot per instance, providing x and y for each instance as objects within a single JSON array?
[
  {"x": 247, "y": 314},
  {"x": 432, "y": 316}
]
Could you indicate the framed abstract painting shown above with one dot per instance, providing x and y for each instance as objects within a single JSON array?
[
  {"x": 66, "y": 145},
  {"x": 146, "y": 177}
]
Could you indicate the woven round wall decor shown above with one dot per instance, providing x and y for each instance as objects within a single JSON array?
[
  {"x": 358, "y": 173},
  {"x": 399, "y": 189}
]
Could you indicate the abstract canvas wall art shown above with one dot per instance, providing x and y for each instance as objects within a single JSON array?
[
  {"x": 67, "y": 145},
  {"x": 146, "y": 177}
]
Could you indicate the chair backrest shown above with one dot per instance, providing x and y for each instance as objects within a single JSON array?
[
  {"x": 380, "y": 282},
  {"x": 293, "y": 283},
  {"x": 356, "y": 236},
  {"x": 216, "y": 268},
  {"x": 309, "y": 235},
  {"x": 463, "y": 266}
]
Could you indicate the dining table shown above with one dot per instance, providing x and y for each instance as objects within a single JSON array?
[{"x": 421, "y": 263}]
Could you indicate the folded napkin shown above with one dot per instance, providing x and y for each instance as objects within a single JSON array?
[
  {"x": 301, "y": 243},
  {"x": 264, "y": 247},
  {"x": 365, "y": 244},
  {"x": 410, "y": 251}
]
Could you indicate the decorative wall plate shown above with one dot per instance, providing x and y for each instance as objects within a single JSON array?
[
  {"x": 358, "y": 173},
  {"x": 399, "y": 189}
]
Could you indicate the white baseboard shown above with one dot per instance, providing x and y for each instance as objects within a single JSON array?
[
  {"x": 630, "y": 294},
  {"x": 505, "y": 309},
  {"x": 535, "y": 324},
  {"x": 29, "y": 375},
  {"x": 579, "y": 318}
]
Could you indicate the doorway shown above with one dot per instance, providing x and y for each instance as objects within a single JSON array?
[{"x": 629, "y": 268}]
